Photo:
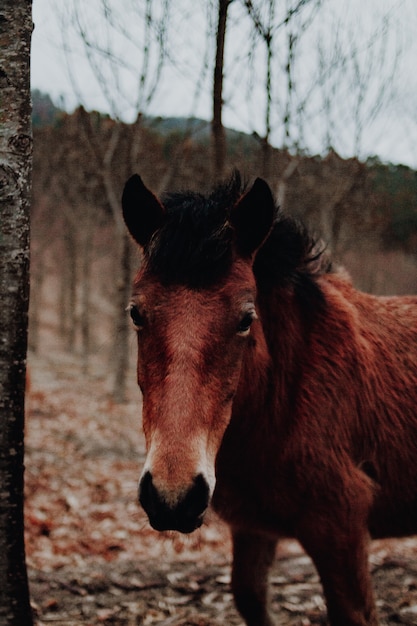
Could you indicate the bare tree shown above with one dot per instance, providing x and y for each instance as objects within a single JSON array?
[
  {"x": 267, "y": 24},
  {"x": 355, "y": 66},
  {"x": 265, "y": 29},
  {"x": 126, "y": 59},
  {"x": 217, "y": 128},
  {"x": 15, "y": 181},
  {"x": 102, "y": 150},
  {"x": 126, "y": 55}
]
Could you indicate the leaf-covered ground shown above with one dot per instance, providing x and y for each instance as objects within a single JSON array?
[{"x": 92, "y": 557}]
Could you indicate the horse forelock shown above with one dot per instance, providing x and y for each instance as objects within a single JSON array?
[{"x": 194, "y": 247}]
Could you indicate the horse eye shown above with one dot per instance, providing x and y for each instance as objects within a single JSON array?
[
  {"x": 245, "y": 323},
  {"x": 137, "y": 317}
]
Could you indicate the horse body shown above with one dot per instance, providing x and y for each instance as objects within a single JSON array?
[
  {"x": 272, "y": 382},
  {"x": 345, "y": 407}
]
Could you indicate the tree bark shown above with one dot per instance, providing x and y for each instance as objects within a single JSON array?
[{"x": 15, "y": 185}]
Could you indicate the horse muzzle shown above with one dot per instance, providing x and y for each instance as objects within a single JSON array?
[{"x": 183, "y": 513}]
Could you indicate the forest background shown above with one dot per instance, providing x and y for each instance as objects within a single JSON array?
[
  {"x": 83, "y": 264},
  {"x": 309, "y": 80},
  {"x": 84, "y": 447}
]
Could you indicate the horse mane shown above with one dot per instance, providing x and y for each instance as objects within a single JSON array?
[
  {"x": 194, "y": 247},
  {"x": 292, "y": 257}
]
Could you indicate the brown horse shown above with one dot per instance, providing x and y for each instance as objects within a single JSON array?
[{"x": 271, "y": 388}]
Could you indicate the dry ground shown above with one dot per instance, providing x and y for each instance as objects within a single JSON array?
[{"x": 93, "y": 558}]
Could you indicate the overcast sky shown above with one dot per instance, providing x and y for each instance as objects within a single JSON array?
[{"x": 393, "y": 136}]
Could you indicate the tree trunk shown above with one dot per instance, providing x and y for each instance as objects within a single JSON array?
[
  {"x": 68, "y": 299},
  {"x": 266, "y": 146},
  {"x": 15, "y": 185},
  {"x": 86, "y": 261},
  {"x": 37, "y": 282},
  {"x": 120, "y": 352},
  {"x": 217, "y": 128}
]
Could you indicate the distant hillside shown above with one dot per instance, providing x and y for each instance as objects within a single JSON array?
[
  {"x": 199, "y": 130},
  {"x": 44, "y": 112},
  {"x": 180, "y": 125}
]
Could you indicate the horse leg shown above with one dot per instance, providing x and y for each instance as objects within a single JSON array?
[
  {"x": 341, "y": 558},
  {"x": 253, "y": 555}
]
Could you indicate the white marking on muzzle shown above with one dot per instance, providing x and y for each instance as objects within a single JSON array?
[{"x": 173, "y": 474}]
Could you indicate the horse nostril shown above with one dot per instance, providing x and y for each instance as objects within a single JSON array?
[
  {"x": 184, "y": 514},
  {"x": 148, "y": 495},
  {"x": 196, "y": 500}
]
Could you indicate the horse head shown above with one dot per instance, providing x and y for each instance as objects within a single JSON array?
[{"x": 193, "y": 307}]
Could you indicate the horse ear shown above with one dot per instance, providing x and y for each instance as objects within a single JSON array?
[
  {"x": 252, "y": 217},
  {"x": 142, "y": 211}
]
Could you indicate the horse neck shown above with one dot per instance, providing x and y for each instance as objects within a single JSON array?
[{"x": 271, "y": 365}]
